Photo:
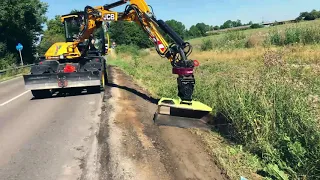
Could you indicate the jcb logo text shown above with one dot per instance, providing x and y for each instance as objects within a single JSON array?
[{"x": 109, "y": 17}]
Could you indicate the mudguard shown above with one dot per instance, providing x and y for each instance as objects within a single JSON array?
[{"x": 62, "y": 80}]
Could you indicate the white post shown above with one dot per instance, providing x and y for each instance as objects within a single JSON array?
[{"x": 21, "y": 58}]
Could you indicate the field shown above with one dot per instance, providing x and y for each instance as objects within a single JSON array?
[{"x": 264, "y": 88}]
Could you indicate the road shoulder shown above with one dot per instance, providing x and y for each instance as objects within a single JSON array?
[{"x": 132, "y": 147}]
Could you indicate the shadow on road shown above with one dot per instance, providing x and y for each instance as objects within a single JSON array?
[
  {"x": 138, "y": 93},
  {"x": 67, "y": 93}
]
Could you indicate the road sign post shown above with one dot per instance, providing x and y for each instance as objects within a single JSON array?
[{"x": 19, "y": 48}]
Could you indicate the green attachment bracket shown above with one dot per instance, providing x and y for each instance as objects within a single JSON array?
[
  {"x": 188, "y": 105},
  {"x": 183, "y": 114}
]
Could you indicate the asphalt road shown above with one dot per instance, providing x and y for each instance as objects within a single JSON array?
[{"x": 44, "y": 138}]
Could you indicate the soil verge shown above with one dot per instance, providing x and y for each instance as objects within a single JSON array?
[{"x": 132, "y": 147}]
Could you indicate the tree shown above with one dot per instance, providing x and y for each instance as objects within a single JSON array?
[
  {"x": 202, "y": 28},
  {"x": 314, "y": 14},
  {"x": 117, "y": 32},
  {"x": 54, "y": 26},
  {"x": 255, "y": 26},
  {"x": 236, "y": 23},
  {"x": 216, "y": 28},
  {"x": 302, "y": 16},
  {"x": 53, "y": 34},
  {"x": 176, "y": 26},
  {"x": 226, "y": 24},
  {"x": 23, "y": 24},
  {"x": 194, "y": 32},
  {"x": 129, "y": 33}
]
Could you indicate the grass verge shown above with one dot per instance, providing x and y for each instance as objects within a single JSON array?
[
  {"x": 306, "y": 33},
  {"x": 14, "y": 73},
  {"x": 265, "y": 103}
]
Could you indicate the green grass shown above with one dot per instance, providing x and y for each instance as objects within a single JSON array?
[
  {"x": 14, "y": 73},
  {"x": 295, "y": 34},
  {"x": 304, "y": 32},
  {"x": 264, "y": 89},
  {"x": 154, "y": 73},
  {"x": 268, "y": 109},
  {"x": 233, "y": 159}
]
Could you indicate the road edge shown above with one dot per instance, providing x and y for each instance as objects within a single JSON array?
[
  {"x": 10, "y": 79},
  {"x": 90, "y": 164}
]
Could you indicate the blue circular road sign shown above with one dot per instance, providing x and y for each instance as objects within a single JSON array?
[{"x": 19, "y": 47}]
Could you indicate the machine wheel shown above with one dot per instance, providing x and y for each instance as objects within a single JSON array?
[
  {"x": 41, "y": 93},
  {"x": 104, "y": 80},
  {"x": 104, "y": 77}
]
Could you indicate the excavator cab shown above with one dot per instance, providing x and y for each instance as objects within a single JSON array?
[
  {"x": 72, "y": 25},
  {"x": 75, "y": 25}
]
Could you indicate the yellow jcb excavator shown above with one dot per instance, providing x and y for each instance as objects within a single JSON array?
[{"x": 77, "y": 63}]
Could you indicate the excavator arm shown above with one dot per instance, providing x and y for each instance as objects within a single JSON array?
[
  {"x": 137, "y": 11},
  {"x": 140, "y": 12},
  {"x": 177, "y": 53}
]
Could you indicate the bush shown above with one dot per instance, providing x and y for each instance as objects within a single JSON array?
[
  {"x": 256, "y": 26},
  {"x": 7, "y": 61},
  {"x": 275, "y": 38},
  {"x": 131, "y": 49},
  {"x": 295, "y": 34},
  {"x": 13, "y": 72},
  {"x": 253, "y": 41},
  {"x": 234, "y": 36},
  {"x": 233, "y": 39},
  {"x": 206, "y": 45}
]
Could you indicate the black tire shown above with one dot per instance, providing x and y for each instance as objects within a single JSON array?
[
  {"x": 105, "y": 77},
  {"x": 105, "y": 83},
  {"x": 41, "y": 93}
]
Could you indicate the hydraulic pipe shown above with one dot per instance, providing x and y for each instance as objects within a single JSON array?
[
  {"x": 167, "y": 29},
  {"x": 115, "y": 4}
]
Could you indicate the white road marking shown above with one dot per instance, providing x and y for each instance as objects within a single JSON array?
[{"x": 14, "y": 98}]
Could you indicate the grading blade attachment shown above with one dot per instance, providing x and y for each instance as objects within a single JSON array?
[{"x": 171, "y": 112}]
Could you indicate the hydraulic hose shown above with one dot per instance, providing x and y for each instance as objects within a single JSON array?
[
  {"x": 170, "y": 32},
  {"x": 139, "y": 15},
  {"x": 179, "y": 47}
]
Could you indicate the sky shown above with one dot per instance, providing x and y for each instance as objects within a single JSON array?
[{"x": 211, "y": 12}]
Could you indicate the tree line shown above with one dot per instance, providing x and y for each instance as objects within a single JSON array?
[
  {"x": 308, "y": 16},
  {"x": 130, "y": 33},
  {"x": 22, "y": 22}
]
